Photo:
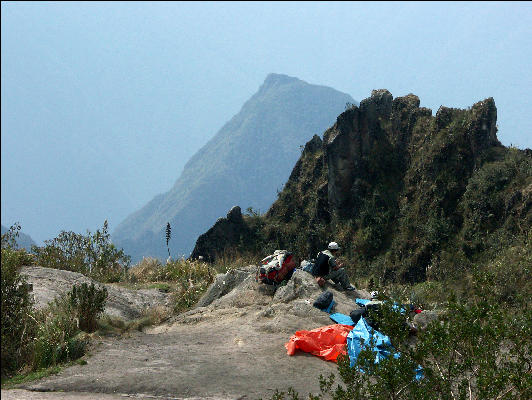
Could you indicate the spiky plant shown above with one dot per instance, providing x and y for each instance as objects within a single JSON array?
[{"x": 168, "y": 236}]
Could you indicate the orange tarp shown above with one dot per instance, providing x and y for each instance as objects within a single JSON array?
[{"x": 327, "y": 342}]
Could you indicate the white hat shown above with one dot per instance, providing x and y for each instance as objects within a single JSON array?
[{"x": 333, "y": 246}]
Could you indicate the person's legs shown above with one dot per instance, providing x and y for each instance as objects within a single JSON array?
[{"x": 339, "y": 276}]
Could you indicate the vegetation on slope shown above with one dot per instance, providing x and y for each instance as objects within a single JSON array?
[
  {"x": 479, "y": 348},
  {"x": 33, "y": 339},
  {"x": 39, "y": 342},
  {"x": 426, "y": 197}
]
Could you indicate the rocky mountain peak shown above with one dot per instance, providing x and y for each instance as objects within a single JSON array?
[
  {"x": 402, "y": 188},
  {"x": 249, "y": 158},
  {"x": 274, "y": 79}
]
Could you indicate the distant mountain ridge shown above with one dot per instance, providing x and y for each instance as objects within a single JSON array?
[
  {"x": 245, "y": 163},
  {"x": 23, "y": 240}
]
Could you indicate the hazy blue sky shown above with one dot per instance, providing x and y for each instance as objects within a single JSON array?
[{"x": 103, "y": 103}]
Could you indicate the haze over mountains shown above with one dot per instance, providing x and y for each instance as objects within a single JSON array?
[
  {"x": 246, "y": 163},
  {"x": 23, "y": 240}
]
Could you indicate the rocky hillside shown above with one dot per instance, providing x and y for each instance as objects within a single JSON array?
[
  {"x": 247, "y": 161},
  {"x": 407, "y": 194}
]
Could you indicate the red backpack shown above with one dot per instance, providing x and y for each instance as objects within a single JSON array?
[{"x": 276, "y": 267}]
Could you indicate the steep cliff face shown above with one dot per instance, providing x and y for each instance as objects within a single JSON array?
[
  {"x": 402, "y": 190},
  {"x": 244, "y": 163}
]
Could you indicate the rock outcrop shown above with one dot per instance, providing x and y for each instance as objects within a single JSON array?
[
  {"x": 231, "y": 229},
  {"x": 402, "y": 189},
  {"x": 48, "y": 284},
  {"x": 279, "y": 309}
]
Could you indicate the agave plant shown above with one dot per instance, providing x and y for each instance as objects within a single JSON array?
[{"x": 168, "y": 236}]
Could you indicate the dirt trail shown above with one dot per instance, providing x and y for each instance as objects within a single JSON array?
[{"x": 230, "y": 349}]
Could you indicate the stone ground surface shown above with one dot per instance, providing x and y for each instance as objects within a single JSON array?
[{"x": 231, "y": 348}]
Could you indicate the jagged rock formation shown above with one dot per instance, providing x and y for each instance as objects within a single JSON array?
[
  {"x": 402, "y": 190},
  {"x": 245, "y": 163}
]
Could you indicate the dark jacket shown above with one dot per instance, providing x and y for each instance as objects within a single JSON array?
[{"x": 324, "y": 261}]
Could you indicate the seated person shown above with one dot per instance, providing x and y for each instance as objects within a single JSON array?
[{"x": 326, "y": 268}]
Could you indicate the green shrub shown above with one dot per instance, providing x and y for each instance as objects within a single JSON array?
[
  {"x": 490, "y": 199},
  {"x": 187, "y": 280},
  {"x": 185, "y": 298},
  {"x": 87, "y": 303},
  {"x": 93, "y": 255},
  {"x": 428, "y": 295},
  {"x": 57, "y": 338},
  {"x": 34, "y": 339},
  {"x": 186, "y": 272},
  {"x": 17, "y": 321},
  {"x": 476, "y": 350},
  {"x": 17, "y": 324},
  {"x": 58, "y": 335}
]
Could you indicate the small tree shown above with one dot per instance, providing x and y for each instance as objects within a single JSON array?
[{"x": 9, "y": 239}]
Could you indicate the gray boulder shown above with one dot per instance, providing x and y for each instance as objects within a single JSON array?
[
  {"x": 301, "y": 285},
  {"x": 49, "y": 283},
  {"x": 238, "y": 288},
  {"x": 225, "y": 283}
]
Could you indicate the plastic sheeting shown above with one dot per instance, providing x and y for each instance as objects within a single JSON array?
[
  {"x": 327, "y": 342},
  {"x": 343, "y": 319},
  {"x": 359, "y": 338}
]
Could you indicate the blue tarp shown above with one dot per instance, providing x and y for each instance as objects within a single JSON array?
[{"x": 360, "y": 337}]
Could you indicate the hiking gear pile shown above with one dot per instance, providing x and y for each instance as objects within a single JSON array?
[
  {"x": 276, "y": 268},
  {"x": 328, "y": 342}
]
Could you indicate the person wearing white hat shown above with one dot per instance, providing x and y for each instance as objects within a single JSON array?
[{"x": 326, "y": 268}]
